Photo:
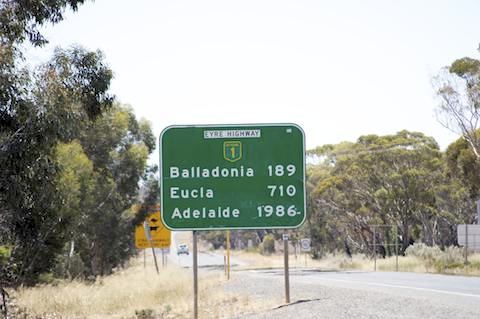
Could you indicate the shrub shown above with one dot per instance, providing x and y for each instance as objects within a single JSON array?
[
  {"x": 452, "y": 257},
  {"x": 428, "y": 254},
  {"x": 74, "y": 267},
  {"x": 46, "y": 278},
  {"x": 432, "y": 256},
  {"x": 268, "y": 245},
  {"x": 145, "y": 314},
  {"x": 4, "y": 254}
]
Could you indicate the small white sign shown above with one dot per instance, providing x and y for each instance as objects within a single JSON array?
[
  {"x": 469, "y": 235},
  {"x": 285, "y": 236},
  {"x": 305, "y": 244}
]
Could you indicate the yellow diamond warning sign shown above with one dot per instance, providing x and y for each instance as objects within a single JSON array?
[{"x": 152, "y": 233}]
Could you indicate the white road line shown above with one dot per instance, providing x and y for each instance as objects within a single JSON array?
[{"x": 403, "y": 287}]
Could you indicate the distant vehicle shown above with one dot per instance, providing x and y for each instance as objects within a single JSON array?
[{"x": 182, "y": 249}]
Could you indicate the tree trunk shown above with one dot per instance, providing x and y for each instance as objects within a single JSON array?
[{"x": 405, "y": 237}]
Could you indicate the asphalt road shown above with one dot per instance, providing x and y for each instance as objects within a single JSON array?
[
  {"x": 354, "y": 294},
  {"x": 398, "y": 281},
  {"x": 344, "y": 294},
  {"x": 205, "y": 259}
]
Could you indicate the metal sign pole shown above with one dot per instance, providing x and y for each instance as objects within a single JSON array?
[
  {"x": 149, "y": 238},
  {"x": 374, "y": 249},
  {"x": 396, "y": 249},
  {"x": 478, "y": 212},
  {"x": 228, "y": 255},
  {"x": 285, "y": 260},
  {"x": 195, "y": 276},
  {"x": 466, "y": 244}
]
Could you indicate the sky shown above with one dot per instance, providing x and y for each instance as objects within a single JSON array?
[{"x": 339, "y": 69}]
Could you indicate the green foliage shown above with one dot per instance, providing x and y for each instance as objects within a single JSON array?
[
  {"x": 379, "y": 180},
  {"x": 465, "y": 66},
  {"x": 46, "y": 278},
  {"x": 118, "y": 155},
  {"x": 267, "y": 247},
  {"x": 458, "y": 88},
  {"x": 21, "y": 20},
  {"x": 5, "y": 253},
  {"x": 71, "y": 160},
  {"x": 461, "y": 162},
  {"x": 48, "y": 107}
]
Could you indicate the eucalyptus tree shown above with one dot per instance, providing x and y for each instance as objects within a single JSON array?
[
  {"x": 109, "y": 159},
  {"x": 461, "y": 188},
  {"x": 51, "y": 105},
  {"x": 38, "y": 109},
  {"x": 458, "y": 87},
  {"x": 381, "y": 180}
]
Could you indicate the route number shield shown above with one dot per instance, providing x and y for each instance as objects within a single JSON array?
[{"x": 232, "y": 151}]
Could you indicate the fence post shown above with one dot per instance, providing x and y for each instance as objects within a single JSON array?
[
  {"x": 374, "y": 249},
  {"x": 396, "y": 248},
  {"x": 4, "y": 302},
  {"x": 466, "y": 244}
]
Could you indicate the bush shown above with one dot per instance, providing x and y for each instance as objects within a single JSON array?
[
  {"x": 450, "y": 258},
  {"x": 145, "y": 314},
  {"x": 46, "y": 278},
  {"x": 74, "y": 268},
  {"x": 4, "y": 255},
  {"x": 267, "y": 247}
]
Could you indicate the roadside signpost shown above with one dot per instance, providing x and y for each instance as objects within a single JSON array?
[
  {"x": 152, "y": 234},
  {"x": 227, "y": 177},
  {"x": 232, "y": 177},
  {"x": 305, "y": 246},
  {"x": 149, "y": 239}
]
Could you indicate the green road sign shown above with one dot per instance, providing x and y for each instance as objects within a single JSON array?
[{"x": 227, "y": 177}]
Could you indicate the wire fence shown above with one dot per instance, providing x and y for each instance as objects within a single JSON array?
[{"x": 395, "y": 243}]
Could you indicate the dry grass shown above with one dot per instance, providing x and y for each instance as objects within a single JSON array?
[
  {"x": 168, "y": 295},
  {"x": 357, "y": 262}
]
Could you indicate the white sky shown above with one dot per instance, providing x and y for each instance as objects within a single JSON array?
[{"x": 340, "y": 69}]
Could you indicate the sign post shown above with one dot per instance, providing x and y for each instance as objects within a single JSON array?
[
  {"x": 152, "y": 234},
  {"x": 149, "y": 239},
  {"x": 285, "y": 261},
  {"x": 195, "y": 276},
  {"x": 249, "y": 176},
  {"x": 228, "y": 255}
]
